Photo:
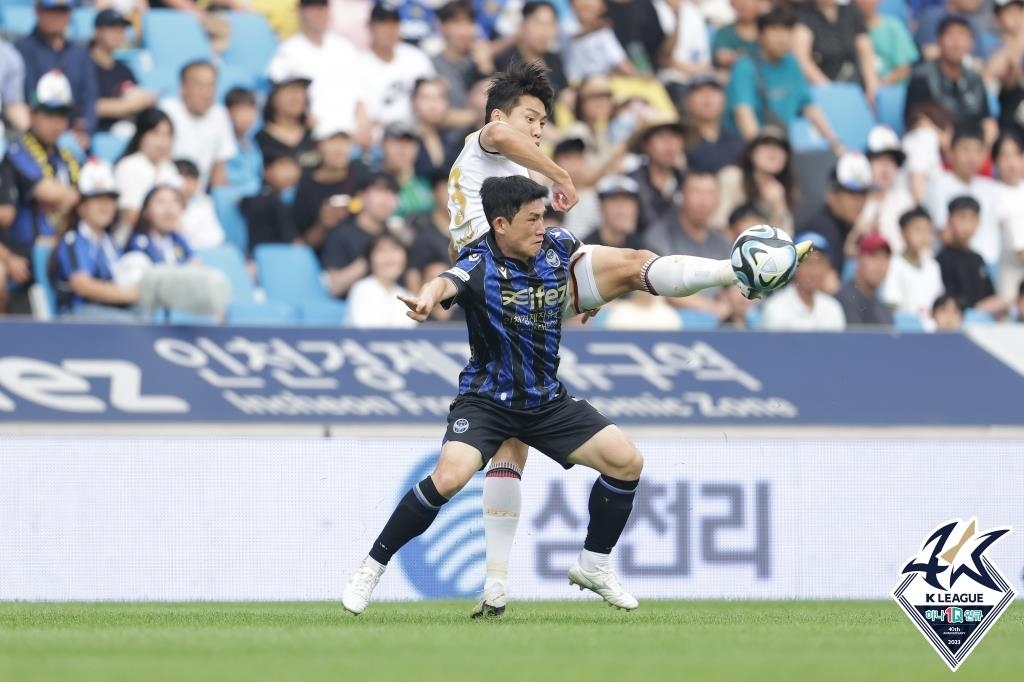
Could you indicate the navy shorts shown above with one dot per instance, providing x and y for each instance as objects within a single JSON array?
[{"x": 557, "y": 429}]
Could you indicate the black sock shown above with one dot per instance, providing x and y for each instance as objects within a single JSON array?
[
  {"x": 611, "y": 501},
  {"x": 411, "y": 517}
]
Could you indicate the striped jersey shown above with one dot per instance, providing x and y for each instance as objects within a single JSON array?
[{"x": 514, "y": 316}]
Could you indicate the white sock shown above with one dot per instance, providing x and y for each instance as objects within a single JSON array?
[
  {"x": 679, "y": 276},
  {"x": 376, "y": 565},
  {"x": 503, "y": 501},
  {"x": 590, "y": 561}
]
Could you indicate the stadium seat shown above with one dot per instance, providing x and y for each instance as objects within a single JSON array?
[
  {"x": 108, "y": 146},
  {"x": 849, "y": 270},
  {"x": 236, "y": 230},
  {"x": 907, "y": 322},
  {"x": 695, "y": 320},
  {"x": 18, "y": 20},
  {"x": 229, "y": 260},
  {"x": 174, "y": 39},
  {"x": 83, "y": 21},
  {"x": 290, "y": 274},
  {"x": 180, "y": 319},
  {"x": 755, "y": 316},
  {"x": 40, "y": 271},
  {"x": 805, "y": 137},
  {"x": 329, "y": 313},
  {"x": 261, "y": 314},
  {"x": 889, "y": 103},
  {"x": 252, "y": 45},
  {"x": 160, "y": 78},
  {"x": 975, "y": 317},
  {"x": 897, "y": 9},
  {"x": 229, "y": 76},
  {"x": 847, "y": 110}
]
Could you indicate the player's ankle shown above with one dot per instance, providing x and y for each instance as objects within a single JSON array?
[{"x": 592, "y": 561}]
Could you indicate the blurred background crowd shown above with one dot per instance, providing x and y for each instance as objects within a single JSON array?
[{"x": 302, "y": 149}]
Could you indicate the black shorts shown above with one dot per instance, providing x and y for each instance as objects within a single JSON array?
[{"x": 556, "y": 429}]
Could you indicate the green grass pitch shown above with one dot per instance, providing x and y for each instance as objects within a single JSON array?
[{"x": 535, "y": 641}]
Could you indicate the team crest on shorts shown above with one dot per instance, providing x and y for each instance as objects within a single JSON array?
[
  {"x": 951, "y": 591},
  {"x": 460, "y": 426},
  {"x": 552, "y": 258}
]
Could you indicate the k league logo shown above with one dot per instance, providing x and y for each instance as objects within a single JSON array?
[{"x": 951, "y": 591}]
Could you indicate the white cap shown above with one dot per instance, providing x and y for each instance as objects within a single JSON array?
[
  {"x": 853, "y": 173},
  {"x": 97, "y": 179},
  {"x": 53, "y": 91},
  {"x": 884, "y": 140}
]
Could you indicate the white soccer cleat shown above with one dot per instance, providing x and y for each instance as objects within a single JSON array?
[
  {"x": 493, "y": 602},
  {"x": 605, "y": 583},
  {"x": 357, "y": 593}
]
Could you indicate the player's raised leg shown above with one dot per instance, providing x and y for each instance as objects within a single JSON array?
[
  {"x": 413, "y": 515},
  {"x": 503, "y": 503}
]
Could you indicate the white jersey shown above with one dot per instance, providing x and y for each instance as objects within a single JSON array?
[{"x": 465, "y": 207}]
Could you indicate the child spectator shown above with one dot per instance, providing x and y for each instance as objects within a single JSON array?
[
  {"x": 372, "y": 301},
  {"x": 84, "y": 261},
  {"x": 245, "y": 168},
  {"x": 146, "y": 162},
  {"x": 914, "y": 280},
  {"x": 200, "y": 226},
  {"x": 964, "y": 274},
  {"x": 947, "y": 314},
  {"x": 928, "y": 136},
  {"x": 859, "y": 297},
  {"x": 804, "y": 306},
  {"x": 269, "y": 214}
]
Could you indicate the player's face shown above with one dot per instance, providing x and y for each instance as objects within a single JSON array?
[
  {"x": 524, "y": 236},
  {"x": 528, "y": 117}
]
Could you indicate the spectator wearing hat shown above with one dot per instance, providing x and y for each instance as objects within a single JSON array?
[
  {"x": 286, "y": 123},
  {"x": 947, "y": 79},
  {"x": 947, "y": 314},
  {"x": 325, "y": 196},
  {"x": 1007, "y": 155},
  {"x": 199, "y": 224},
  {"x": 770, "y": 88},
  {"x": 895, "y": 51},
  {"x": 832, "y": 45},
  {"x": 399, "y": 150},
  {"x": 973, "y": 13},
  {"x": 438, "y": 148},
  {"x": 966, "y": 158},
  {"x": 738, "y": 39},
  {"x": 844, "y": 202},
  {"x": 388, "y": 70},
  {"x": 804, "y": 305},
  {"x": 12, "y": 88},
  {"x": 859, "y": 297},
  {"x": 594, "y": 50},
  {"x": 47, "y": 49},
  {"x": 328, "y": 61},
  {"x": 711, "y": 146},
  {"x": 202, "y": 129},
  {"x": 85, "y": 258},
  {"x": 43, "y": 175},
  {"x": 372, "y": 300},
  {"x": 660, "y": 140},
  {"x": 465, "y": 58},
  {"x": 343, "y": 253},
  {"x": 964, "y": 273},
  {"x": 533, "y": 42},
  {"x": 763, "y": 178},
  {"x": 244, "y": 169},
  {"x": 145, "y": 163},
  {"x": 269, "y": 214},
  {"x": 620, "y": 209},
  {"x": 120, "y": 97},
  {"x": 891, "y": 196},
  {"x": 914, "y": 280}
]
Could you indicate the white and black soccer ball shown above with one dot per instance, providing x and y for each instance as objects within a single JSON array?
[{"x": 764, "y": 258}]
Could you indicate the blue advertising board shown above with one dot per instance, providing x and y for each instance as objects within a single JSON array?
[{"x": 106, "y": 373}]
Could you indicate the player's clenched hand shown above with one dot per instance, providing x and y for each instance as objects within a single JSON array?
[
  {"x": 419, "y": 307},
  {"x": 563, "y": 196}
]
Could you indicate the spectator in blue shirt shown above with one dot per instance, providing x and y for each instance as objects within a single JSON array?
[
  {"x": 47, "y": 48},
  {"x": 158, "y": 231},
  {"x": 770, "y": 88},
  {"x": 85, "y": 259},
  {"x": 43, "y": 175},
  {"x": 975, "y": 12},
  {"x": 246, "y": 167}
]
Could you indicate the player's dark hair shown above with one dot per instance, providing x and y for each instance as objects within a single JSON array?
[
  {"x": 964, "y": 203},
  {"x": 456, "y": 9},
  {"x": 196, "y": 64},
  {"x": 967, "y": 133},
  {"x": 504, "y": 197},
  {"x": 519, "y": 79},
  {"x": 916, "y": 213},
  {"x": 534, "y": 5}
]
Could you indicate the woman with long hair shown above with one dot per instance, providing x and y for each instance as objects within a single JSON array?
[
  {"x": 158, "y": 229},
  {"x": 764, "y": 179},
  {"x": 146, "y": 162},
  {"x": 287, "y": 129}
]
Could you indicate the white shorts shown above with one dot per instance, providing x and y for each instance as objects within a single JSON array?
[{"x": 583, "y": 293}]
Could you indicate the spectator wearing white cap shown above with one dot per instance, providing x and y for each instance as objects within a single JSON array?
[
  {"x": 85, "y": 259},
  {"x": 914, "y": 280},
  {"x": 860, "y": 296},
  {"x": 1008, "y": 154},
  {"x": 804, "y": 305},
  {"x": 891, "y": 196},
  {"x": 844, "y": 201}
]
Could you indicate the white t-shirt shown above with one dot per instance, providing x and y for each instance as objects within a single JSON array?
[
  {"x": 136, "y": 175},
  {"x": 887, "y": 209},
  {"x": 386, "y": 87},
  {"x": 372, "y": 306},
  {"x": 1011, "y": 271},
  {"x": 330, "y": 66},
  {"x": 199, "y": 224},
  {"x": 625, "y": 314},
  {"x": 987, "y": 241},
  {"x": 471, "y": 168},
  {"x": 921, "y": 146},
  {"x": 593, "y": 53},
  {"x": 692, "y": 45},
  {"x": 910, "y": 288},
  {"x": 786, "y": 311},
  {"x": 204, "y": 140}
]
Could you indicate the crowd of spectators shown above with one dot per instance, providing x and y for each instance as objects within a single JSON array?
[{"x": 674, "y": 119}]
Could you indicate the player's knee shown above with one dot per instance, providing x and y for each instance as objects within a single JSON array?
[
  {"x": 449, "y": 481},
  {"x": 633, "y": 465},
  {"x": 511, "y": 452}
]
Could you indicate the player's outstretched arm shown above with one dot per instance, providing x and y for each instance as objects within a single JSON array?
[
  {"x": 433, "y": 292},
  {"x": 515, "y": 146}
]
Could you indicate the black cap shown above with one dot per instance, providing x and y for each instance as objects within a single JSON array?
[
  {"x": 400, "y": 131},
  {"x": 383, "y": 180},
  {"x": 702, "y": 80},
  {"x": 571, "y": 145},
  {"x": 383, "y": 12},
  {"x": 110, "y": 17}
]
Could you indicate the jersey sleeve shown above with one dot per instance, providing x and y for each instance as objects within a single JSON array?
[
  {"x": 468, "y": 277},
  {"x": 566, "y": 242}
]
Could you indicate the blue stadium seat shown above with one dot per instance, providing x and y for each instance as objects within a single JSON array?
[
  {"x": 252, "y": 43},
  {"x": 174, "y": 39},
  {"x": 108, "y": 146},
  {"x": 18, "y": 20},
  {"x": 907, "y": 322},
  {"x": 804, "y": 137},
  {"x": 694, "y": 320},
  {"x": 83, "y": 21},
  {"x": 290, "y": 274},
  {"x": 40, "y": 271},
  {"x": 849, "y": 270},
  {"x": 323, "y": 313},
  {"x": 889, "y": 103},
  {"x": 847, "y": 110},
  {"x": 261, "y": 314},
  {"x": 229, "y": 76},
  {"x": 229, "y": 260},
  {"x": 236, "y": 230},
  {"x": 755, "y": 316},
  {"x": 973, "y": 316},
  {"x": 180, "y": 319},
  {"x": 158, "y": 77}
]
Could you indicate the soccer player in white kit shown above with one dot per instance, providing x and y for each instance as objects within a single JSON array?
[{"x": 519, "y": 102}]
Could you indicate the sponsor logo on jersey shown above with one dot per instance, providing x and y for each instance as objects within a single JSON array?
[
  {"x": 460, "y": 273},
  {"x": 552, "y": 258},
  {"x": 537, "y": 297}
]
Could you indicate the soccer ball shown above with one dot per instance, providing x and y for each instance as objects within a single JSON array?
[{"x": 763, "y": 258}]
